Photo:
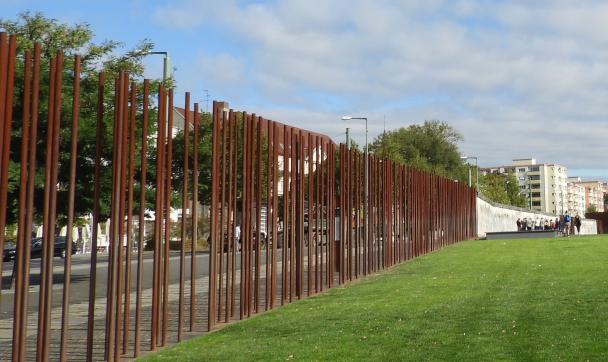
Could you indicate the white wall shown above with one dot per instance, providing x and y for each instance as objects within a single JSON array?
[{"x": 493, "y": 217}]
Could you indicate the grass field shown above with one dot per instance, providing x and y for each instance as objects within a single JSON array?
[{"x": 522, "y": 300}]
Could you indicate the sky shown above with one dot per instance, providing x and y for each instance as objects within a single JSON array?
[{"x": 516, "y": 78}]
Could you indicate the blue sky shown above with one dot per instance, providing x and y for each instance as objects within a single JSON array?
[{"x": 516, "y": 78}]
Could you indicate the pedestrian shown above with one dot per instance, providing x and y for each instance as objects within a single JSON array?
[
  {"x": 237, "y": 238},
  {"x": 546, "y": 224},
  {"x": 537, "y": 224},
  {"x": 577, "y": 224},
  {"x": 567, "y": 224},
  {"x": 518, "y": 224},
  {"x": 529, "y": 224}
]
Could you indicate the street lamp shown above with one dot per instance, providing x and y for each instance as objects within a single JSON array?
[
  {"x": 465, "y": 158},
  {"x": 349, "y": 118},
  {"x": 166, "y": 64}
]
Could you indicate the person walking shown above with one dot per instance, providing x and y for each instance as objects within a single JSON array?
[
  {"x": 518, "y": 224},
  {"x": 567, "y": 224},
  {"x": 529, "y": 224},
  {"x": 577, "y": 224}
]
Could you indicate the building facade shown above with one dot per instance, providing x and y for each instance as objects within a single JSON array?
[
  {"x": 594, "y": 195},
  {"x": 576, "y": 196},
  {"x": 545, "y": 185}
]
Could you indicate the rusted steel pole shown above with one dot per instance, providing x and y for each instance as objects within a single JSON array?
[
  {"x": 292, "y": 215},
  {"x": 195, "y": 181},
  {"x": 7, "y": 64},
  {"x": 331, "y": 215},
  {"x": 234, "y": 125},
  {"x": 230, "y": 222},
  {"x": 46, "y": 213},
  {"x": 342, "y": 215},
  {"x": 158, "y": 212},
  {"x": 25, "y": 261},
  {"x": 70, "y": 222},
  {"x": 285, "y": 201},
  {"x": 109, "y": 317},
  {"x": 323, "y": 213},
  {"x": 95, "y": 220},
  {"x": 251, "y": 218},
  {"x": 23, "y": 236},
  {"x": 245, "y": 217},
  {"x": 184, "y": 231},
  {"x": 310, "y": 214},
  {"x": 130, "y": 206},
  {"x": 318, "y": 215},
  {"x": 167, "y": 220},
  {"x": 268, "y": 130},
  {"x": 211, "y": 304},
  {"x": 222, "y": 215},
  {"x": 275, "y": 210},
  {"x": 142, "y": 214},
  {"x": 44, "y": 317},
  {"x": 300, "y": 214},
  {"x": 258, "y": 209},
  {"x": 123, "y": 136}
]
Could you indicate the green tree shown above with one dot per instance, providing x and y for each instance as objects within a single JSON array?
[
  {"x": 503, "y": 189},
  {"x": 591, "y": 208},
  {"x": 54, "y": 36},
  {"x": 516, "y": 198},
  {"x": 432, "y": 146}
]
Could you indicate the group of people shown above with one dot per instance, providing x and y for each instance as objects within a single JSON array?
[{"x": 567, "y": 224}]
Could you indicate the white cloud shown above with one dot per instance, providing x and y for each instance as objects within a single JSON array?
[
  {"x": 188, "y": 15},
  {"x": 517, "y": 78}
]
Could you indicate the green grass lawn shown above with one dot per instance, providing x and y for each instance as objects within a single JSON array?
[{"x": 523, "y": 300}]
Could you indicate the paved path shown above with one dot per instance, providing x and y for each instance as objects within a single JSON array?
[{"x": 79, "y": 311}]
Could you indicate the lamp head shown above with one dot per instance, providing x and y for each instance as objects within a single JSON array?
[{"x": 346, "y": 118}]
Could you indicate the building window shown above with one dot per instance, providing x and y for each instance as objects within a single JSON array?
[
  {"x": 522, "y": 170},
  {"x": 534, "y": 169},
  {"x": 535, "y": 203},
  {"x": 535, "y": 177},
  {"x": 536, "y": 194}
]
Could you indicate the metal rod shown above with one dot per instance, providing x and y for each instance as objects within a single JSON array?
[
  {"x": 141, "y": 222},
  {"x": 195, "y": 181},
  {"x": 23, "y": 235},
  {"x": 167, "y": 217},
  {"x": 182, "y": 253},
  {"x": 71, "y": 196}
]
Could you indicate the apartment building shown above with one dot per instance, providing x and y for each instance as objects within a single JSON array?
[
  {"x": 544, "y": 184},
  {"x": 576, "y": 196},
  {"x": 594, "y": 194}
]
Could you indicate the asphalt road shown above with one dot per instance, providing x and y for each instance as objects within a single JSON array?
[{"x": 79, "y": 287}]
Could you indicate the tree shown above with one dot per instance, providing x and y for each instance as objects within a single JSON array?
[
  {"x": 516, "y": 198},
  {"x": 432, "y": 146},
  {"x": 503, "y": 189},
  {"x": 71, "y": 39},
  {"x": 591, "y": 208}
]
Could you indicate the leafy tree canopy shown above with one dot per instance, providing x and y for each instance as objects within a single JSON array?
[
  {"x": 107, "y": 56},
  {"x": 432, "y": 146}
]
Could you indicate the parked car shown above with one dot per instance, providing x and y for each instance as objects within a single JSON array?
[
  {"x": 36, "y": 249},
  {"x": 9, "y": 251}
]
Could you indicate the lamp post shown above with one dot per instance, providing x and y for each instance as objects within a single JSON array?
[
  {"x": 166, "y": 64},
  {"x": 465, "y": 158},
  {"x": 349, "y": 118}
]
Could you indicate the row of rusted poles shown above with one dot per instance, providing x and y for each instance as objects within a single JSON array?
[
  {"x": 246, "y": 186},
  {"x": 411, "y": 213}
]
